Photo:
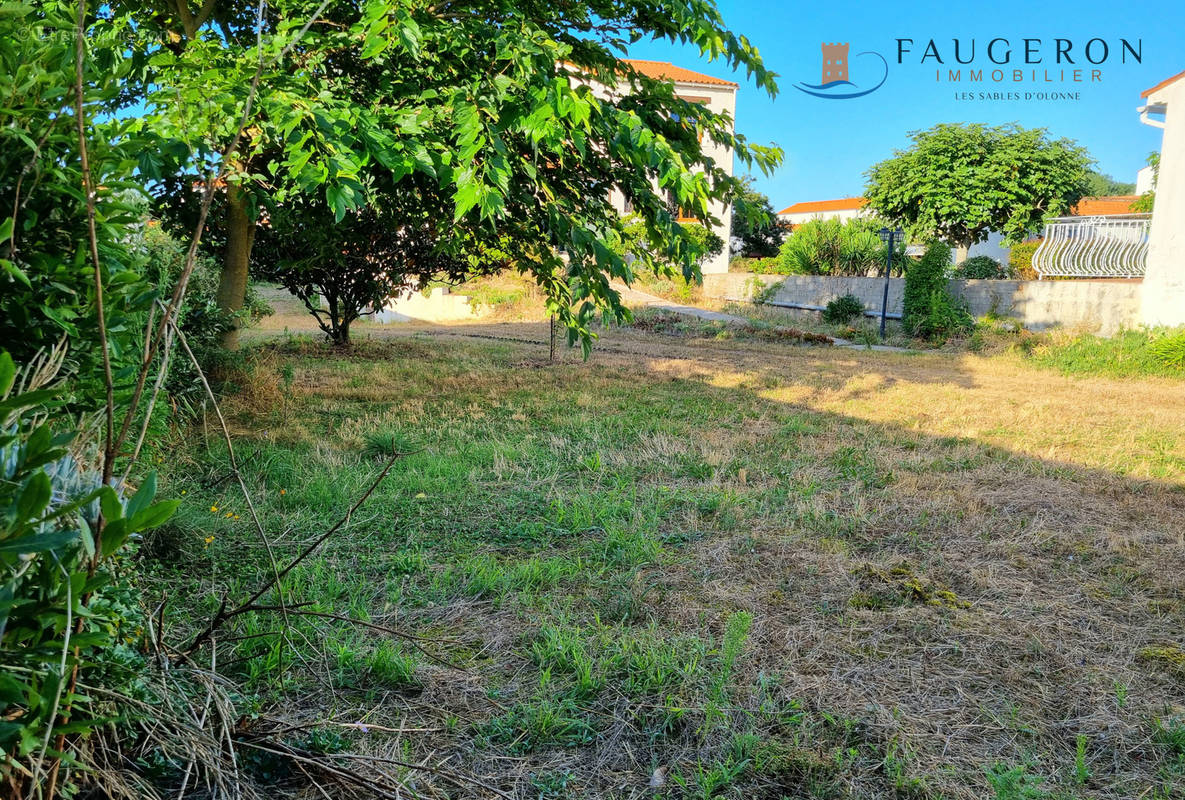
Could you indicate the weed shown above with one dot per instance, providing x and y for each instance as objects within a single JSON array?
[
  {"x": 1081, "y": 770},
  {"x": 709, "y": 780},
  {"x": 543, "y": 722},
  {"x": 1127, "y": 353},
  {"x": 1015, "y": 783},
  {"x": 736, "y": 631},
  {"x": 552, "y": 785},
  {"x": 384, "y": 444}
]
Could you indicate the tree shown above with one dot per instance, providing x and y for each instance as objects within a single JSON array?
[
  {"x": 958, "y": 182},
  {"x": 392, "y": 245},
  {"x": 1100, "y": 185},
  {"x": 758, "y": 231},
  {"x": 633, "y": 241},
  {"x": 489, "y": 98}
]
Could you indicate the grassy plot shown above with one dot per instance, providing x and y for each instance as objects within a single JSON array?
[{"x": 692, "y": 569}]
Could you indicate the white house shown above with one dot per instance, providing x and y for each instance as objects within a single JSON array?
[
  {"x": 1163, "y": 296},
  {"x": 720, "y": 97},
  {"x": 842, "y": 209}
]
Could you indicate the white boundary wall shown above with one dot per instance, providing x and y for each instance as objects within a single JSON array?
[{"x": 1105, "y": 306}]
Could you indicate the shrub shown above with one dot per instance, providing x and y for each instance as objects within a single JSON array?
[
  {"x": 929, "y": 309},
  {"x": 1020, "y": 259},
  {"x": 67, "y": 616},
  {"x": 842, "y": 310},
  {"x": 832, "y": 247},
  {"x": 1169, "y": 350},
  {"x": 946, "y": 316},
  {"x": 982, "y": 268},
  {"x": 758, "y": 266},
  {"x": 162, "y": 258},
  {"x": 922, "y": 279}
]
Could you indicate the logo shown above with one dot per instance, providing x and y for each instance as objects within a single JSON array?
[{"x": 835, "y": 83}]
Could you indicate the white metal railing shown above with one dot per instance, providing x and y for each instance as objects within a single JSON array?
[{"x": 1094, "y": 247}]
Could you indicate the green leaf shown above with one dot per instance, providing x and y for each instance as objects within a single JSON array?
[
  {"x": 113, "y": 536},
  {"x": 38, "y": 542},
  {"x": 109, "y": 504},
  {"x": 7, "y": 372},
  {"x": 34, "y": 497},
  {"x": 153, "y": 516},
  {"x": 143, "y": 496},
  {"x": 337, "y": 202}
]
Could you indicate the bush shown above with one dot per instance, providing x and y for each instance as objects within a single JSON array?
[
  {"x": 68, "y": 614},
  {"x": 842, "y": 310},
  {"x": 758, "y": 266},
  {"x": 1020, "y": 259},
  {"x": 832, "y": 247},
  {"x": 982, "y": 268},
  {"x": 929, "y": 309},
  {"x": 202, "y": 320},
  {"x": 1169, "y": 350}
]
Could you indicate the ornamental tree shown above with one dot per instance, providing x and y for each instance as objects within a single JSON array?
[
  {"x": 756, "y": 230},
  {"x": 958, "y": 182},
  {"x": 393, "y": 244},
  {"x": 491, "y": 99}
]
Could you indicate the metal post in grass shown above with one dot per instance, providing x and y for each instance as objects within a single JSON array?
[
  {"x": 887, "y": 236},
  {"x": 551, "y": 352}
]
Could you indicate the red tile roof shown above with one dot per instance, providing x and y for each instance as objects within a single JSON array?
[
  {"x": 1163, "y": 84},
  {"x": 842, "y": 204},
  {"x": 664, "y": 70},
  {"x": 1104, "y": 206}
]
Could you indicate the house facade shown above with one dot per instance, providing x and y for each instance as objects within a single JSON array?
[
  {"x": 1163, "y": 300},
  {"x": 720, "y": 97}
]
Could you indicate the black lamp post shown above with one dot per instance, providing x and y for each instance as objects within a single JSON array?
[{"x": 887, "y": 236}]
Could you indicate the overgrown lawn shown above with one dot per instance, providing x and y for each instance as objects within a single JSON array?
[{"x": 702, "y": 569}]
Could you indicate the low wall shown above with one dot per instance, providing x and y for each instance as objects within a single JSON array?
[
  {"x": 1102, "y": 305},
  {"x": 439, "y": 305}
]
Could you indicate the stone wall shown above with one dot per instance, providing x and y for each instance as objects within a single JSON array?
[{"x": 1102, "y": 305}]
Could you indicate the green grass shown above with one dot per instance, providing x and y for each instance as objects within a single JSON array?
[
  {"x": 1129, "y": 353},
  {"x": 644, "y": 562}
]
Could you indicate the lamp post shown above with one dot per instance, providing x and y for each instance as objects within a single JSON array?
[{"x": 887, "y": 236}]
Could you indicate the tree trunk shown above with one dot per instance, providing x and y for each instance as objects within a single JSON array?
[{"x": 240, "y": 235}]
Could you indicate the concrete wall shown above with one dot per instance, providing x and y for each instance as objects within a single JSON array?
[
  {"x": 1164, "y": 277},
  {"x": 439, "y": 305},
  {"x": 1102, "y": 305}
]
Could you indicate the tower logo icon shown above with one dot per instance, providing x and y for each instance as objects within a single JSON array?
[
  {"x": 835, "y": 81},
  {"x": 835, "y": 63}
]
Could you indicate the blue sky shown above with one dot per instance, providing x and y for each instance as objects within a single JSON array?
[{"x": 830, "y": 143}]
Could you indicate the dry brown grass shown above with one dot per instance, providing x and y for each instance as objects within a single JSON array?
[{"x": 971, "y": 560}]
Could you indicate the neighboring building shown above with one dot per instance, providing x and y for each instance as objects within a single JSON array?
[
  {"x": 843, "y": 209},
  {"x": 1109, "y": 206},
  {"x": 1145, "y": 180},
  {"x": 720, "y": 97},
  {"x": 1163, "y": 301}
]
